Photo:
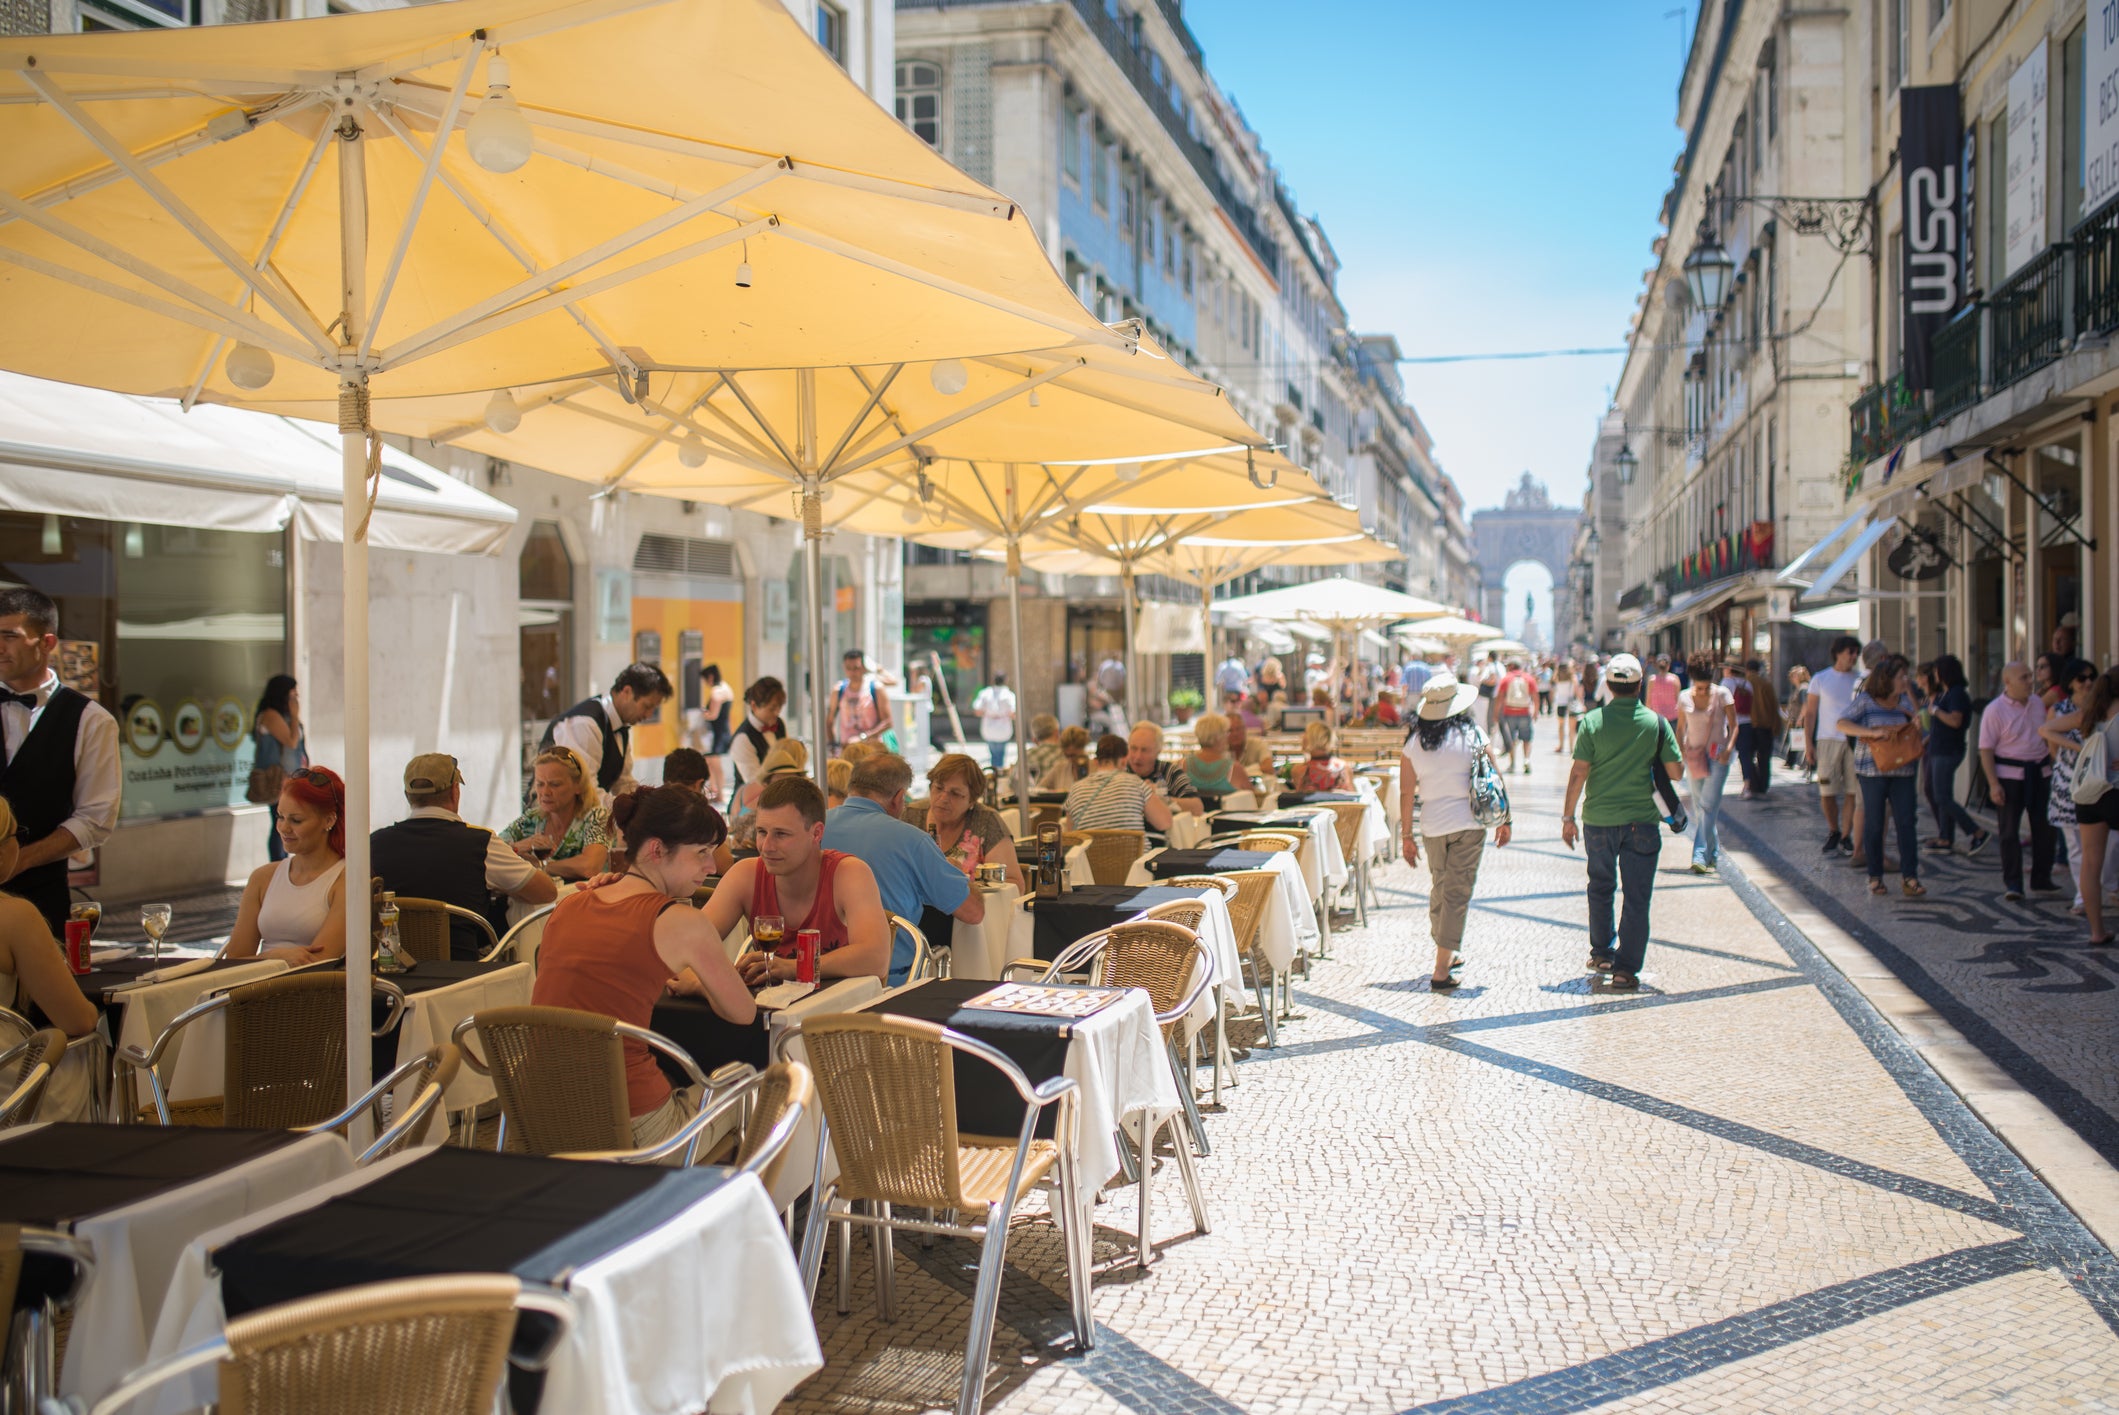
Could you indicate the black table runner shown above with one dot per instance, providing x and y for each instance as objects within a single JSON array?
[
  {"x": 1262, "y": 820},
  {"x": 707, "y": 1037},
  {"x": 1056, "y": 923},
  {"x": 1314, "y": 798},
  {"x": 986, "y": 1103},
  {"x": 1212, "y": 860},
  {"x": 58, "y": 1174}
]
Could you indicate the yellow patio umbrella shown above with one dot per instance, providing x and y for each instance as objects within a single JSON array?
[{"x": 253, "y": 214}]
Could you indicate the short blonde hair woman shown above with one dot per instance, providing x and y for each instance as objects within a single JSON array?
[
  {"x": 1211, "y": 731},
  {"x": 970, "y": 834},
  {"x": 838, "y": 776},
  {"x": 1321, "y": 771},
  {"x": 1211, "y": 769},
  {"x": 564, "y": 824}
]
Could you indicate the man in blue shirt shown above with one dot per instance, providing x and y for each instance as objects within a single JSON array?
[{"x": 912, "y": 874}]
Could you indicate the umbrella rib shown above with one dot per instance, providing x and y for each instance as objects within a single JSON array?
[
  {"x": 757, "y": 461},
  {"x": 875, "y": 260},
  {"x": 497, "y": 36},
  {"x": 875, "y": 396},
  {"x": 483, "y": 215},
  {"x": 228, "y": 317},
  {"x": 272, "y": 243},
  {"x": 289, "y": 309},
  {"x": 462, "y": 333},
  {"x": 990, "y": 401},
  {"x": 436, "y": 336},
  {"x": 543, "y": 399},
  {"x": 764, "y": 425},
  {"x": 763, "y": 453},
  {"x": 182, "y": 313},
  {"x": 420, "y": 193}
]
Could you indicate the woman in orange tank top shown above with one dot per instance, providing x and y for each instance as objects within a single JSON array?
[{"x": 616, "y": 950}]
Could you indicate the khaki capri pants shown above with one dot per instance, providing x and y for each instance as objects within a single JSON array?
[{"x": 1453, "y": 868}]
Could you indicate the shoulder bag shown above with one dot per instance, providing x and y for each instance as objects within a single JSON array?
[
  {"x": 2093, "y": 768},
  {"x": 1901, "y": 746},
  {"x": 1488, "y": 793},
  {"x": 265, "y": 781}
]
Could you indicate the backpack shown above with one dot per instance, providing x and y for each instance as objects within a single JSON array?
[
  {"x": 1488, "y": 794},
  {"x": 1518, "y": 691}
]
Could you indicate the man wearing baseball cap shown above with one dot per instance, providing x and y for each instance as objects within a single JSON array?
[
  {"x": 433, "y": 854},
  {"x": 1617, "y": 747}
]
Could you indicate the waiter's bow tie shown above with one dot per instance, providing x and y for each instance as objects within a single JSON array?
[{"x": 28, "y": 700}]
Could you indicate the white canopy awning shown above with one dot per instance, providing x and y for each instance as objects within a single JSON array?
[
  {"x": 72, "y": 451},
  {"x": 1163, "y": 627},
  {"x": 1856, "y": 548},
  {"x": 1842, "y": 618},
  {"x": 1798, "y": 570}
]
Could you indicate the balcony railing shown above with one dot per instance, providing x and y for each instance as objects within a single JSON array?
[
  {"x": 1737, "y": 553},
  {"x": 2030, "y": 316},
  {"x": 2096, "y": 249},
  {"x": 1953, "y": 362}
]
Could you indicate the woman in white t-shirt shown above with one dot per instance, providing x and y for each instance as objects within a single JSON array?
[{"x": 1437, "y": 772}]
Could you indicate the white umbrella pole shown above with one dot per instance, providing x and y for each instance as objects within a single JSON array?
[
  {"x": 353, "y": 561},
  {"x": 1125, "y": 579},
  {"x": 813, "y": 573},
  {"x": 1015, "y": 641}
]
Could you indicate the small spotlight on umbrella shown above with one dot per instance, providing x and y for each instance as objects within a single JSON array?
[
  {"x": 498, "y": 136},
  {"x": 1127, "y": 471},
  {"x": 692, "y": 451},
  {"x": 502, "y": 415},
  {"x": 911, "y": 514},
  {"x": 1035, "y": 401},
  {"x": 949, "y": 377},
  {"x": 249, "y": 367}
]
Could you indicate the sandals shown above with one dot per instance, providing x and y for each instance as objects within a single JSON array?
[
  {"x": 1876, "y": 886},
  {"x": 1443, "y": 984},
  {"x": 1913, "y": 888}
]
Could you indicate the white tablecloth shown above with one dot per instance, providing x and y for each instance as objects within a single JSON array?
[
  {"x": 1323, "y": 862},
  {"x": 431, "y": 1016},
  {"x": 705, "y": 1311},
  {"x": 1289, "y": 924},
  {"x": 137, "y": 1247},
  {"x": 1187, "y": 831},
  {"x": 147, "y": 1010},
  {"x": 981, "y": 950},
  {"x": 1377, "y": 832}
]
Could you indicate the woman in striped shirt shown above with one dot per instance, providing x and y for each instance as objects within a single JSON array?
[{"x": 1109, "y": 798}]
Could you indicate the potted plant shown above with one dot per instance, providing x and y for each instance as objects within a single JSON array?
[{"x": 1186, "y": 701}]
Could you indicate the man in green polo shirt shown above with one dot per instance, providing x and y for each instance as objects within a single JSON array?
[{"x": 1616, "y": 748}]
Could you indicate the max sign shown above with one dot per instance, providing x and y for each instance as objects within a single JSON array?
[{"x": 1931, "y": 134}]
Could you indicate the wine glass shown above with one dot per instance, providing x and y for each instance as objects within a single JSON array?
[
  {"x": 767, "y": 930},
  {"x": 541, "y": 851},
  {"x": 154, "y": 920}
]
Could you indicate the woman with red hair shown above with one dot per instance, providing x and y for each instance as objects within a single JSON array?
[{"x": 296, "y": 909}]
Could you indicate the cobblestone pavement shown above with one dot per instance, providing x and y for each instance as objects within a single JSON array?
[
  {"x": 1736, "y": 1190},
  {"x": 2018, "y": 980}
]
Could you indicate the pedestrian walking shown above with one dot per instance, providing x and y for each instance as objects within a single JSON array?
[
  {"x": 1767, "y": 723},
  {"x": 1565, "y": 695},
  {"x": 1798, "y": 696},
  {"x": 2019, "y": 766},
  {"x": 1517, "y": 695},
  {"x": 2064, "y": 732},
  {"x": 1617, "y": 746},
  {"x": 995, "y": 708},
  {"x": 1739, "y": 689},
  {"x": 1707, "y": 734},
  {"x": 1949, "y": 718},
  {"x": 1435, "y": 802},
  {"x": 1831, "y": 691},
  {"x": 2097, "y": 806},
  {"x": 282, "y": 748},
  {"x": 1887, "y": 750},
  {"x": 1663, "y": 689}
]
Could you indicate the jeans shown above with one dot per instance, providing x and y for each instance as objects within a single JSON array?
[
  {"x": 2027, "y": 794},
  {"x": 274, "y": 850},
  {"x": 1755, "y": 753},
  {"x": 999, "y": 752},
  {"x": 1706, "y": 794},
  {"x": 1950, "y": 813},
  {"x": 1898, "y": 795},
  {"x": 1621, "y": 856}
]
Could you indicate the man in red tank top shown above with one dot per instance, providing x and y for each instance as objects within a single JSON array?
[{"x": 809, "y": 887}]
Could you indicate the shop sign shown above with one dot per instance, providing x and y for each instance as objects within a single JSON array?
[
  {"x": 1918, "y": 557},
  {"x": 2100, "y": 117},
  {"x": 2024, "y": 198},
  {"x": 1931, "y": 133},
  {"x": 191, "y": 755}
]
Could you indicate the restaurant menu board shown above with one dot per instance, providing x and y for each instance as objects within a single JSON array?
[{"x": 1046, "y": 1000}]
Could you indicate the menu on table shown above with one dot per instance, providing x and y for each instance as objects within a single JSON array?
[{"x": 1046, "y": 999}]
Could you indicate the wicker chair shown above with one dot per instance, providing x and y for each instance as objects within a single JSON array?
[
  {"x": 1112, "y": 853},
  {"x": 1254, "y": 894},
  {"x": 928, "y": 962},
  {"x": 39, "y": 1330},
  {"x": 1169, "y": 963},
  {"x": 888, "y": 1090},
  {"x": 1220, "y": 882},
  {"x": 25, "y": 1067},
  {"x": 419, "y": 1346},
  {"x": 284, "y": 1063},
  {"x": 560, "y": 1076},
  {"x": 423, "y": 927},
  {"x": 434, "y": 1071},
  {"x": 14, "y": 1028},
  {"x": 759, "y": 1111},
  {"x": 520, "y": 943},
  {"x": 1270, "y": 841},
  {"x": 1351, "y": 817}
]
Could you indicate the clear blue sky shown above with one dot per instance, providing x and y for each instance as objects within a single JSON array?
[{"x": 1490, "y": 175}]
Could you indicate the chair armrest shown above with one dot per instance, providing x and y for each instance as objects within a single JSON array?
[
  {"x": 471, "y": 1058},
  {"x": 374, "y": 1093},
  {"x": 655, "y": 1041},
  {"x": 1032, "y": 970},
  {"x": 1203, "y": 979},
  {"x": 159, "y": 1373},
  {"x": 430, "y": 1096},
  {"x": 395, "y": 996},
  {"x": 686, "y": 1138},
  {"x": 1048, "y": 1091}
]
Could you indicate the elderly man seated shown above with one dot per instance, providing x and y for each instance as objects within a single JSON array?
[
  {"x": 795, "y": 879},
  {"x": 434, "y": 854},
  {"x": 1144, "y": 759},
  {"x": 912, "y": 874}
]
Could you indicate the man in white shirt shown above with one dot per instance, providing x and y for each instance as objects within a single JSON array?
[
  {"x": 995, "y": 707},
  {"x": 1831, "y": 690},
  {"x": 601, "y": 728},
  {"x": 61, "y": 771}
]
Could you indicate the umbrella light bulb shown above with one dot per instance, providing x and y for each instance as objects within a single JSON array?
[
  {"x": 1035, "y": 401},
  {"x": 498, "y": 136},
  {"x": 911, "y": 514},
  {"x": 502, "y": 415},
  {"x": 743, "y": 276},
  {"x": 949, "y": 377},
  {"x": 249, "y": 367},
  {"x": 692, "y": 451},
  {"x": 1127, "y": 471}
]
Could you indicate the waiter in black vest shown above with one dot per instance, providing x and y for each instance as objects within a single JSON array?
[
  {"x": 601, "y": 729},
  {"x": 434, "y": 854},
  {"x": 61, "y": 771}
]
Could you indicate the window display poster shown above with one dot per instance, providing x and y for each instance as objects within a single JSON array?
[
  {"x": 189, "y": 755},
  {"x": 80, "y": 666},
  {"x": 2100, "y": 81},
  {"x": 2025, "y": 194}
]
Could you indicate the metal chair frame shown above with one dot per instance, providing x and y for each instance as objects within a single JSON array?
[
  {"x": 742, "y": 1096},
  {"x": 403, "y": 1129},
  {"x": 991, "y": 1234},
  {"x": 448, "y": 911},
  {"x": 1191, "y": 914},
  {"x": 511, "y": 940},
  {"x": 19, "y": 1106},
  {"x": 31, "y": 1358},
  {"x": 654, "y": 1041},
  {"x": 928, "y": 962},
  {"x": 148, "y": 1060},
  {"x": 545, "y": 1301}
]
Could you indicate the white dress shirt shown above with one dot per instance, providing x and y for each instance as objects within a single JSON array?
[
  {"x": 97, "y": 779},
  {"x": 506, "y": 871},
  {"x": 585, "y": 737}
]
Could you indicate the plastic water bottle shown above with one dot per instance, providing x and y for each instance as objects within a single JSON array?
[{"x": 390, "y": 957}]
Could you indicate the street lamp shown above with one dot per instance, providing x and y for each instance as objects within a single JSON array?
[
  {"x": 1707, "y": 270},
  {"x": 1627, "y": 464}
]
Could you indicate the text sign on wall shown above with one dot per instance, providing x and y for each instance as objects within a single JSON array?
[
  {"x": 2100, "y": 113},
  {"x": 1930, "y": 136},
  {"x": 2025, "y": 198}
]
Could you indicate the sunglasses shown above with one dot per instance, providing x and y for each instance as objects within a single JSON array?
[{"x": 314, "y": 778}]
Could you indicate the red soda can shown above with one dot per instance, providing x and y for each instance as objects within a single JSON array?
[
  {"x": 807, "y": 942},
  {"x": 78, "y": 933}
]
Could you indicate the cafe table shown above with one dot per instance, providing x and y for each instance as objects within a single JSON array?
[
  {"x": 1115, "y": 1057},
  {"x": 136, "y": 1194},
  {"x": 141, "y": 996},
  {"x": 1323, "y": 865},
  {"x": 980, "y": 950},
  {"x": 1287, "y": 926},
  {"x": 684, "y": 1288}
]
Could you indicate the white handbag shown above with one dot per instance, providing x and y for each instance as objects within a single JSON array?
[{"x": 2092, "y": 765}]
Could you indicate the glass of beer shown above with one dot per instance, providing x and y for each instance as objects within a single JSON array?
[
  {"x": 767, "y": 930},
  {"x": 88, "y": 911}
]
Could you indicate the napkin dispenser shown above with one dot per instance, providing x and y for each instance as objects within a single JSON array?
[{"x": 1051, "y": 860}]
